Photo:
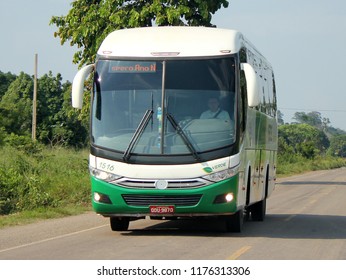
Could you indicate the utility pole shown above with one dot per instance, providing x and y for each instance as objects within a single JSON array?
[{"x": 34, "y": 102}]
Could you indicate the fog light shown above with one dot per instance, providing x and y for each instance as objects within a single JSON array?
[
  {"x": 229, "y": 197},
  {"x": 102, "y": 198},
  {"x": 97, "y": 197},
  {"x": 224, "y": 198}
]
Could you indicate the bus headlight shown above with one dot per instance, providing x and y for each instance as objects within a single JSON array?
[
  {"x": 103, "y": 175},
  {"x": 222, "y": 175}
]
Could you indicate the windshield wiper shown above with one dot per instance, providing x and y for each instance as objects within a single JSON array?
[
  {"x": 183, "y": 136},
  {"x": 142, "y": 125}
]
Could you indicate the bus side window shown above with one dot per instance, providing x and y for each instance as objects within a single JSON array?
[
  {"x": 274, "y": 105},
  {"x": 243, "y": 94},
  {"x": 242, "y": 102}
]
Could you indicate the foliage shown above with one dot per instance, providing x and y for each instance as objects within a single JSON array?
[
  {"x": 49, "y": 178},
  {"x": 280, "y": 117},
  {"x": 16, "y": 104},
  {"x": 90, "y": 21},
  {"x": 49, "y": 104},
  {"x": 2, "y": 135},
  {"x": 313, "y": 118},
  {"x": 23, "y": 144},
  {"x": 338, "y": 146},
  {"x": 57, "y": 122},
  {"x": 5, "y": 80},
  {"x": 290, "y": 164},
  {"x": 302, "y": 139},
  {"x": 332, "y": 131},
  {"x": 336, "y": 137}
]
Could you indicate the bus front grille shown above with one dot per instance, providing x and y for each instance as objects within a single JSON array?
[
  {"x": 147, "y": 200},
  {"x": 171, "y": 184}
]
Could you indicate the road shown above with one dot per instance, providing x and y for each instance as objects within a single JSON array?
[{"x": 306, "y": 220}]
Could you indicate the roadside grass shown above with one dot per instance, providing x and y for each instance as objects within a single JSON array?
[
  {"x": 296, "y": 164},
  {"x": 39, "y": 214},
  {"x": 49, "y": 183},
  {"x": 54, "y": 182}
]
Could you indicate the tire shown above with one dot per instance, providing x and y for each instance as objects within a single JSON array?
[
  {"x": 234, "y": 223},
  {"x": 119, "y": 223},
  {"x": 258, "y": 210}
]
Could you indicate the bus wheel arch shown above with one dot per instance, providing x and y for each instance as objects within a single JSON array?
[{"x": 248, "y": 186}]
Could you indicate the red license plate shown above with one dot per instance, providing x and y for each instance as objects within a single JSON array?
[{"x": 162, "y": 209}]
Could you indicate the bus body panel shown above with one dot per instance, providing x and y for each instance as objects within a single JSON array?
[
  {"x": 181, "y": 171},
  {"x": 203, "y": 206},
  {"x": 171, "y": 41},
  {"x": 260, "y": 154}
]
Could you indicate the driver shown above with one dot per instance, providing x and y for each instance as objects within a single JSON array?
[{"x": 214, "y": 111}]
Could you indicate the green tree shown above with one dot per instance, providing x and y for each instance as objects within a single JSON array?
[
  {"x": 74, "y": 128},
  {"x": 49, "y": 104},
  {"x": 5, "y": 80},
  {"x": 302, "y": 139},
  {"x": 335, "y": 131},
  {"x": 90, "y": 21},
  {"x": 16, "y": 106},
  {"x": 58, "y": 123},
  {"x": 280, "y": 117},
  {"x": 312, "y": 118},
  {"x": 338, "y": 146}
]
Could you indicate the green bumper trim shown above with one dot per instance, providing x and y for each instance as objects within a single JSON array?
[{"x": 205, "y": 205}]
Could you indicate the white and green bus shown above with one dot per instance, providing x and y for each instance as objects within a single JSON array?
[{"x": 183, "y": 124}]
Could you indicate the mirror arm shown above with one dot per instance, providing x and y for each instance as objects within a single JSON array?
[{"x": 78, "y": 85}]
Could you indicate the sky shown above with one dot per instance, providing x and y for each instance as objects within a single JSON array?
[{"x": 305, "y": 42}]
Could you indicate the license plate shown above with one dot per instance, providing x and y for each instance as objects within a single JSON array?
[{"x": 162, "y": 209}]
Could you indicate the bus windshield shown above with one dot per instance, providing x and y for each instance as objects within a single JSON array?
[{"x": 173, "y": 107}]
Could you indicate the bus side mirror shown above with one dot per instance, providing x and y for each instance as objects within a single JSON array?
[
  {"x": 78, "y": 85},
  {"x": 252, "y": 85}
]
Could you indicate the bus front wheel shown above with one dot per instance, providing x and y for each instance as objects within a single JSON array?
[
  {"x": 119, "y": 223},
  {"x": 234, "y": 223}
]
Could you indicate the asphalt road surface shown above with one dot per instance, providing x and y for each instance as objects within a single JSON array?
[{"x": 306, "y": 220}]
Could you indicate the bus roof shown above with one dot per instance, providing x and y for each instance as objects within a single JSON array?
[{"x": 171, "y": 41}]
